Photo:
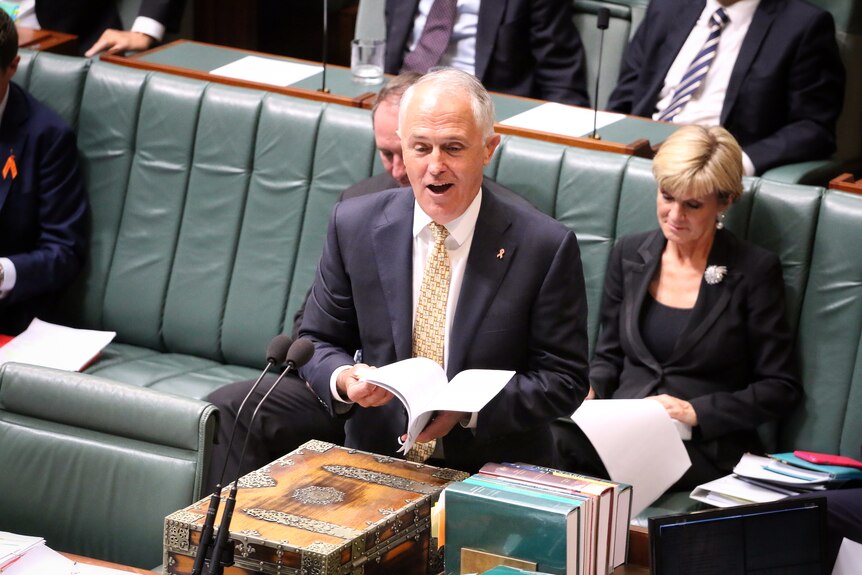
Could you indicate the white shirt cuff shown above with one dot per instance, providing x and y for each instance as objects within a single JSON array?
[
  {"x": 747, "y": 165},
  {"x": 334, "y": 388},
  {"x": 470, "y": 423},
  {"x": 150, "y": 27},
  {"x": 10, "y": 276}
]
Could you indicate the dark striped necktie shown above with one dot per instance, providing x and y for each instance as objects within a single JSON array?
[
  {"x": 693, "y": 78},
  {"x": 434, "y": 39}
]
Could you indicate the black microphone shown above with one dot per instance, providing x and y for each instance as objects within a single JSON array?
[
  {"x": 276, "y": 352},
  {"x": 323, "y": 87},
  {"x": 298, "y": 355},
  {"x": 603, "y": 17}
]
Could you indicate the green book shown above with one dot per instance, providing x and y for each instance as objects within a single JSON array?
[{"x": 519, "y": 525}]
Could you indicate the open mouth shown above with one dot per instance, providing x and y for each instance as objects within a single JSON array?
[{"x": 439, "y": 188}]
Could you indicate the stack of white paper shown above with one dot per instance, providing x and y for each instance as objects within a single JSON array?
[{"x": 50, "y": 345}]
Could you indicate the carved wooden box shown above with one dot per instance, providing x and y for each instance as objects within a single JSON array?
[{"x": 323, "y": 510}]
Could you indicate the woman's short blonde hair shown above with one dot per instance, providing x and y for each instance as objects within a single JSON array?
[{"x": 697, "y": 161}]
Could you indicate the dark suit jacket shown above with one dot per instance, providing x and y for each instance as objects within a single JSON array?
[
  {"x": 786, "y": 89},
  {"x": 43, "y": 209},
  {"x": 734, "y": 360},
  {"x": 523, "y": 47},
  {"x": 525, "y": 311},
  {"x": 89, "y": 18}
]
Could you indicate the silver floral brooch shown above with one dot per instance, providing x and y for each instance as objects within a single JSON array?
[{"x": 714, "y": 274}]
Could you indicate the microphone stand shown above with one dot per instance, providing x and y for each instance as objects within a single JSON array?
[
  {"x": 323, "y": 87},
  {"x": 303, "y": 350},
  {"x": 276, "y": 348},
  {"x": 602, "y": 20}
]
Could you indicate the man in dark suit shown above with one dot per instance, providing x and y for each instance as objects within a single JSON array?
[
  {"x": 43, "y": 207},
  {"x": 777, "y": 82},
  {"x": 521, "y": 47},
  {"x": 516, "y": 298},
  {"x": 97, "y": 23},
  {"x": 300, "y": 415}
]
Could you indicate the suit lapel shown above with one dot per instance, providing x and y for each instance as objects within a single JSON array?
[
  {"x": 399, "y": 25},
  {"x": 490, "y": 16},
  {"x": 392, "y": 238},
  {"x": 712, "y": 300},
  {"x": 760, "y": 25},
  {"x": 677, "y": 33},
  {"x": 12, "y": 139},
  {"x": 482, "y": 277},
  {"x": 637, "y": 275}
]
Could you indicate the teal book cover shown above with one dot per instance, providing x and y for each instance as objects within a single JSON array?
[
  {"x": 518, "y": 525},
  {"x": 837, "y": 472}
]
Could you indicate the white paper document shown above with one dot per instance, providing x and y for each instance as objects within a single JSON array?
[
  {"x": 778, "y": 473},
  {"x": 730, "y": 491},
  {"x": 849, "y": 558},
  {"x": 638, "y": 444},
  {"x": 267, "y": 71},
  {"x": 50, "y": 345},
  {"x": 421, "y": 385},
  {"x": 561, "y": 119}
]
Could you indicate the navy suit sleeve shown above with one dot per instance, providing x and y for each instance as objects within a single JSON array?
[
  {"x": 774, "y": 387},
  {"x": 62, "y": 210},
  {"x": 607, "y": 362},
  {"x": 560, "y": 72},
  {"x": 554, "y": 382},
  {"x": 814, "y": 94}
]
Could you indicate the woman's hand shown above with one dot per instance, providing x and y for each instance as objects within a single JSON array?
[{"x": 677, "y": 408}]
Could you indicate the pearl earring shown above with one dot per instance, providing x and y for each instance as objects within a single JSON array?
[{"x": 719, "y": 221}]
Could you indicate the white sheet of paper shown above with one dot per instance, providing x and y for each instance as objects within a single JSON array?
[
  {"x": 267, "y": 71},
  {"x": 42, "y": 560},
  {"x": 638, "y": 443},
  {"x": 849, "y": 558},
  {"x": 57, "y": 346},
  {"x": 561, "y": 119},
  {"x": 735, "y": 492}
]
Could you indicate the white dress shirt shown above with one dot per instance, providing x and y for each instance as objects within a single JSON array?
[{"x": 705, "y": 107}]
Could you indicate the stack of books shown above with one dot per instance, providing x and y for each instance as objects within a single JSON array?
[
  {"x": 558, "y": 522},
  {"x": 758, "y": 479}
]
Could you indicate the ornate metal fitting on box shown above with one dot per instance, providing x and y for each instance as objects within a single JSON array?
[
  {"x": 386, "y": 479},
  {"x": 316, "y": 495},
  {"x": 306, "y": 523},
  {"x": 257, "y": 479}
]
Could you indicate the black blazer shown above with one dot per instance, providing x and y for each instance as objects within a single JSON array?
[
  {"x": 89, "y": 18},
  {"x": 786, "y": 89},
  {"x": 524, "y": 311},
  {"x": 734, "y": 360},
  {"x": 523, "y": 47}
]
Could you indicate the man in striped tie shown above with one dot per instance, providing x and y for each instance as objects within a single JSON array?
[{"x": 767, "y": 70}]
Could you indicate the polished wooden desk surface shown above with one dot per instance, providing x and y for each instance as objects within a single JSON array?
[
  {"x": 631, "y": 135},
  {"x": 47, "y": 41}
]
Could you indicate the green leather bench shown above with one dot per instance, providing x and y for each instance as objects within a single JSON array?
[
  {"x": 210, "y": 206},
  {"x": 94, "y": 466}
]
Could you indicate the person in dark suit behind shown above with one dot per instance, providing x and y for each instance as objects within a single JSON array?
[
  {"x": 97, "y": 22},
  {"x": 43, "y": 208},
  {"x": 515, "y": 299},
  {"x": 693, "y": 317},
  {"x": 521, "y": 47},
  {"x": 776, "y": 83}
]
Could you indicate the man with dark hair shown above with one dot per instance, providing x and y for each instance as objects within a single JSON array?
[{"x": 43, "y": 207}]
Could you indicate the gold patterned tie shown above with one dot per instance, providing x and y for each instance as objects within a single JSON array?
[{"x": 429, "y": 329}]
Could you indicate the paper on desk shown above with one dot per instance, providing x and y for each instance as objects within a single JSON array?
[
  {"x": 42, "y": 560},
  {"x": 50, "y": 345},
  {"x": 730, "y": 491},
  {"x": 638, "y": 443},
  {"x": 267, "y": 71},
  {"x": 849, "y": 558},
  {"x": 561, "y": 119}
]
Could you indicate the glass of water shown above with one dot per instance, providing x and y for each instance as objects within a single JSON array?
[{"x": 366, "y": 60}]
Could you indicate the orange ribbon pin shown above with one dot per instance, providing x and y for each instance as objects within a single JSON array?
[{"x": 10, "y": 167}]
